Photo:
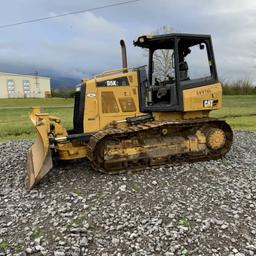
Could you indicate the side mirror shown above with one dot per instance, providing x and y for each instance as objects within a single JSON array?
[{"x": 201, "y": 46}]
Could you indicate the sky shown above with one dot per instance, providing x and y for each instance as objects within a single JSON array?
[{"x": 87, "y": 44}]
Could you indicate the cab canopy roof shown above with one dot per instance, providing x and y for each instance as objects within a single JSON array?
[{"x": 164, "y": 41}]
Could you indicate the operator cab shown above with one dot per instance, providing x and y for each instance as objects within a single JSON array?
[{"x": 176, "y": 62}]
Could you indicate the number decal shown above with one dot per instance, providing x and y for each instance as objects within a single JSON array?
[{"x": 112, "y": 83}]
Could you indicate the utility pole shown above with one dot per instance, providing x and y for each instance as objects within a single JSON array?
[
  {"x": 36, "y": 79},
  {"x": 37, "y": 83}
]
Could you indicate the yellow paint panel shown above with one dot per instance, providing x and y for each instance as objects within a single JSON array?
[
  {"x": 106, "y": 104},
  {"x": 91, "y": 111},
  {"x": 109, "y": 103},
  {"x": 203, "y": 98}
]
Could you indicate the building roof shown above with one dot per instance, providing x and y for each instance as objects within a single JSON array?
[{"x": 22, "y": 75}]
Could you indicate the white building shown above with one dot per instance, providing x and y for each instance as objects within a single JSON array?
[{"x": 24, "y": 86}]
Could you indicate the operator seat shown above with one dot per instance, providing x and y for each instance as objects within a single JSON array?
[{"x": 183, "y": 71}]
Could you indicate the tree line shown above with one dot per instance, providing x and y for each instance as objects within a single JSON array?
[
  {"x": 63, "y": 92},
  {"x": 239, "y": 87}
]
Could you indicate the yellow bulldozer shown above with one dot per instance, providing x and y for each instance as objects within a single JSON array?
[{"x": 133, "y": 118}]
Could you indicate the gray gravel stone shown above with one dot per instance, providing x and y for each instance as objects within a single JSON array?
[
  {"x": 58, "y": 253},
  {"x": 84, "y": 242},
  {"x": 205, "y": 208},
  {"x": 29, "y": 250},
  {"x": 122, "y": 188}
]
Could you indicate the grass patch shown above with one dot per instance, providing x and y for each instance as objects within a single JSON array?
[
  {"x": 36, "y": 233},
  {"x": 19, "y": 248},
  {"x": 184, "y": 252},
  {"x": 242, "y": 105},
  {"x": 136, "y": 187},
  {"x": 28, "y": 103},
  {"x": 239, "y": 112},
  {"x": 184, "y": 222},
  {"x": 4, "y": 246},
  {"x": 245, "y": 123},
  {"x": 15, "y": 123}
]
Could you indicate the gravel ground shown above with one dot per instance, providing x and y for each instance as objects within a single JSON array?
[{"x": 191, "y": 209}]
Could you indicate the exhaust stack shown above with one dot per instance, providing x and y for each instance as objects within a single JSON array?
[{"x": 124, "y": 56}]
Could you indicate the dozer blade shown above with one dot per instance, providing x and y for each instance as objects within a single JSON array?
[{"x": 39, "y": 159}]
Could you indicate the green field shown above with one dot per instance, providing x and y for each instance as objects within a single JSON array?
[
  {"x": 27, "y": 103},
  {"x": 14, "y": 119},
  {"x": 239, "y": 111}
]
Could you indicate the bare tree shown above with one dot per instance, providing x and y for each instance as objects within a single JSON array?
[{"x": 163, "y": 57}]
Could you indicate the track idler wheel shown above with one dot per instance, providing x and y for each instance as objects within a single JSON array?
[{"x": 215, "y": 138}]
